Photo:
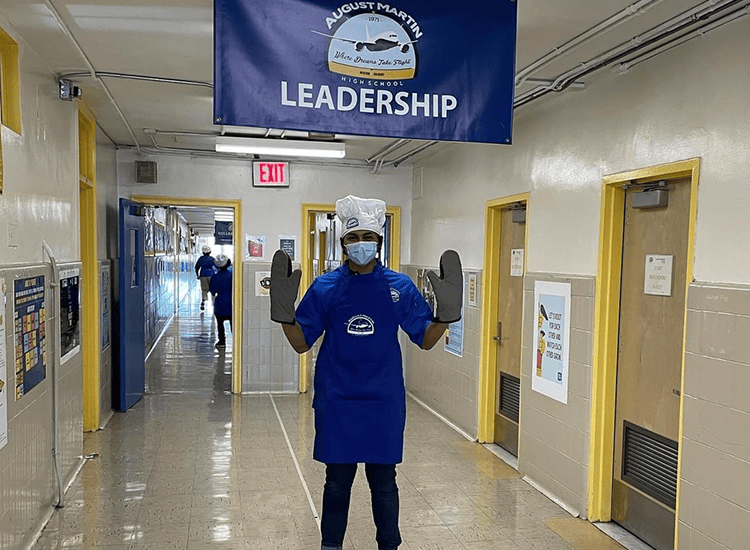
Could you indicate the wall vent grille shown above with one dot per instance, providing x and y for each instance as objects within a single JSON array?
[
  {"x": 510, "y": 396},
  {"x": 145, "y": 171},
  {"x": 649, "y": 463}
]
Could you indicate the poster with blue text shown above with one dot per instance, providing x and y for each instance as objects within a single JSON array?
[
  {"x": 552, "y": 338},
  {"x": 30, "y": 338},
  {"x": 404, "y": 69}
]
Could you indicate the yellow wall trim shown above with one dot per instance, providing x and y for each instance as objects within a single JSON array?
[
  {"x": 237, "y": 238},
  {"x": 490, "y": 281},
  {"x": 90, "y": 334},
  {"x": 10, "y": 80},
  {"x": 606, "y": 327}
]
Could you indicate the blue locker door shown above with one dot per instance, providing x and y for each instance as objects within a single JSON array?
[{"x": 130, "y": 372}]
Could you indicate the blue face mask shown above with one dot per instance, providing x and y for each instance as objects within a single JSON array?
[{"x": 362, "y": 253}]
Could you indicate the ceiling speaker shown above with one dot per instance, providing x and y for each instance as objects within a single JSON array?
[{"x": 145, "y": 171}]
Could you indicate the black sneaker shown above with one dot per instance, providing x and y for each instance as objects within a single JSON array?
[{"x": 221, "y": 344}]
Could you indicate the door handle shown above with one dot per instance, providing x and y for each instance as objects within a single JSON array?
[{"x": 499, "y": 337}]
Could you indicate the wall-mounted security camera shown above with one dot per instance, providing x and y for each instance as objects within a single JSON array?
[{"x": 68, "y": 91}]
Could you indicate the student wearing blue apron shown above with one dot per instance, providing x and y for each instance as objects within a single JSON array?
[
  {"x": 360, "y": 397},
  {"x": 221, "y": 288},
  {"x": 204, "y": 269}
]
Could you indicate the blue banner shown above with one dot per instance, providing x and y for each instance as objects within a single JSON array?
[
  {"x": 223, "y": 232},
  {"x": 410, "y": 69}
]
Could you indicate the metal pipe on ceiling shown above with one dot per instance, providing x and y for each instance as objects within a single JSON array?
[
  {"x": 148, "y": 78},
  {"x": 607, "y": 24},
  {"x": 680, "y": 22},
  {"x": 387, "y": 149},
  {"x": 411, "y": 153},
  {"x": 629, "y": 64},
  {"x": 92, "y": 71}
]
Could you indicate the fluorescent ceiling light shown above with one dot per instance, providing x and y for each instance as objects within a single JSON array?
[{"x": 280, "y": 147}]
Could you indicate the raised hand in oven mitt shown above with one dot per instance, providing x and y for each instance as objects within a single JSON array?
[
  {"x": 284, "y": 288},
  {"x": 448, "y": 287}
]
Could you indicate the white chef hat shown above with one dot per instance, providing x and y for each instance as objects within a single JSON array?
[{"x": 358, "y": 214}]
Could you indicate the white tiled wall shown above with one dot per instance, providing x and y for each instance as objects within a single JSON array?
[
  {"x": 554, "y": 437},
  {"x": 27, "y": 482},
  {"x": 446, "y": 383},
  {"x": 715, "y": 476},
  {"x": 268, "y": 361}
]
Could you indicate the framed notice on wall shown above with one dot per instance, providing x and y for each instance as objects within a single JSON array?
[
  {"x": 4, "y": 386},
  {"x": 549, "y": 373},
  {"x": 105, "y": 305},
  {"x": 70, "y": 325},
  {"x": 30, "y": 333}
]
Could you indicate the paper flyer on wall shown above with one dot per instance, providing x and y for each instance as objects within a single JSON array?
[
  {"x": 30, "y": 334},
  {"x": 288, "y": 243},
  {"x": 549, "y": 374},
  {"x": 70, "y": 325},
  {"x": 3, "y": 372},
  {"x": 254, "y": 245}
]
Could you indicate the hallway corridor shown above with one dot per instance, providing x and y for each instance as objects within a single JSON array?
[{"x": 191, "y": 467}]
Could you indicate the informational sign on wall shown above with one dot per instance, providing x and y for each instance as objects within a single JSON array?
[
  {"x": 104, "y": 307},
  {"x": 454, "y": 337},
  {"x": 4, "y": 386},
  {"x": 658, "y": 278},
  {"x": 473, "y": 289},
  {"x": 70, "y": 321},
  {"x": 549, "y": 374},
  {"x": 388, "y": 69},
  {"x": 30, "y": 335},
  {"x": 270, "y": 174},
  {"x": 254, "y": 245},
  {"x": 262, "y": 283},
  {"x": 516, "y": 262},
  {"x": 288, "y": 243}
]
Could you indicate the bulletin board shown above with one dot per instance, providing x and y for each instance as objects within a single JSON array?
[{"x": 30, "y": 337}]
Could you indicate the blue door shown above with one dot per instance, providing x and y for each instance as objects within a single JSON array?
[{"x": 130, "y": 371}]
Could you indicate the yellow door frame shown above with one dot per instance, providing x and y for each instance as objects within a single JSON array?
[
  {"x": 236, "y": 206},
  {"x": 490, "y": 297},
  {"x": 606, "y": 327},
  {"x": 308, "y": 217},
  {"x": 90, "y": 327}
]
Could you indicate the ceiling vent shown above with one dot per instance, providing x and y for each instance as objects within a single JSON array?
[{"x": 145, "y": 171}]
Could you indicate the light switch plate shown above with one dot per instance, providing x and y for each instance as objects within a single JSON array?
[{"x": 12, "y": 230}]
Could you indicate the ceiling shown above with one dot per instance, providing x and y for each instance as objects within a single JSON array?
[{"x": 113, "y": 49}]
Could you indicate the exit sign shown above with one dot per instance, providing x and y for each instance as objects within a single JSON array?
[{"x": 270, "y": 174}]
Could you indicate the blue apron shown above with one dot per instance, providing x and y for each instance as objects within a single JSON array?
[{"x": 360, "y": 399}]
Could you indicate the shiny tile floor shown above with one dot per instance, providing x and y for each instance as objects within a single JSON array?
[{"x": 191, "y": 467}]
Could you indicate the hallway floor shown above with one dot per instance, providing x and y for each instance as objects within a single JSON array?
[{"x": 191, "y": 467}]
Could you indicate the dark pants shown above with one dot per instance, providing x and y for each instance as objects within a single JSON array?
[
  {"x": 220, "y": 323},
  {"x": 337, "y": 493}
]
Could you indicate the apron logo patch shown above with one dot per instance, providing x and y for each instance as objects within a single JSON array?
[
  {"x": 395, "y": 295},
  {"x": 360, "y": 325}
]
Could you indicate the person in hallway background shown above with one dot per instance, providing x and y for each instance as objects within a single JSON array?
[
  {"x": 360, "y": 396},
  {"x": 221, "y": 288},
  {"x": 204, "y": 269}
]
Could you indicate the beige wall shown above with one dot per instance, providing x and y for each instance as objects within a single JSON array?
[
  {"x": 40, "y": 198},
  {"x": 714, "y": 500},
  {"x": 268, "y": 362},
  {"x": 553, "y": 440},
  {"x": 690, "y": 102},
  {"x": 269, "y": 212},
  {"x": 443, "y": 381}
]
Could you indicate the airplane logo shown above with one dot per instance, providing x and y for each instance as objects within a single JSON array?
[
  {"x": 360, "y": 325},
  {"x": 382, "y": 42}
]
